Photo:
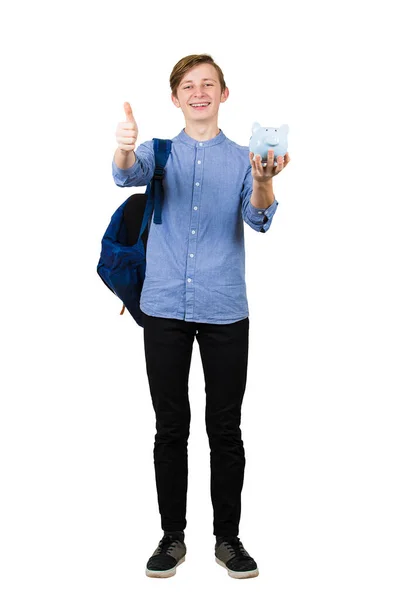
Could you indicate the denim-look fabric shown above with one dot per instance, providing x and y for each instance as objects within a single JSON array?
[{"x": 195, "y": 259}]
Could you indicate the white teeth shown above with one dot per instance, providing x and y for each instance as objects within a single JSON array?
[{"x": 203, "y": 104}]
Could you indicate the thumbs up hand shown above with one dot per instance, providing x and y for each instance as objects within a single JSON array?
[{"x": 127, "y": 131}]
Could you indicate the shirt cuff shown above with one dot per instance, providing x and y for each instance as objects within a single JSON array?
[
  {"x": 122, "y": 176},
  {"x": 263, "y": 216}
]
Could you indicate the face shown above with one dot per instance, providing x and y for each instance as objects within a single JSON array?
[{"x": 200, "y": 84}]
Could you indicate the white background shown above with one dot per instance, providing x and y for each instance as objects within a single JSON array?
[{"x": 320, "y": 418}]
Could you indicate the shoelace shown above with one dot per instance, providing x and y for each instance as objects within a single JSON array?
[
  {"x": 236, "y": 547},
  {"x": 166, "y": 544}
]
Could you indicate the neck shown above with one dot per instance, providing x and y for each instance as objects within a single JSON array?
[{"x": 202, "y": 131}]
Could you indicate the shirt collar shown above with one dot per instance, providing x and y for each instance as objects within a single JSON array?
[{"x": 186, "y": 139}]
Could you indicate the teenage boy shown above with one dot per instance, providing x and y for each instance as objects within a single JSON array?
[{"x": 195, "y": 288}]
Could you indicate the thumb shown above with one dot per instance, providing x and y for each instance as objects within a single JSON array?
[{"x": 128, "y": 112}]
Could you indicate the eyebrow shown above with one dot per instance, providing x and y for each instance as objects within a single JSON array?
[{"x": 204, "y": 79}]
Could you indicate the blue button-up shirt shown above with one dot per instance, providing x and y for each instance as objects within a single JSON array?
[{"x": 195, "y": 259}]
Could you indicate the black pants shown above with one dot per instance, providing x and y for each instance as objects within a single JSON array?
[{"x": 224, "y": 354}]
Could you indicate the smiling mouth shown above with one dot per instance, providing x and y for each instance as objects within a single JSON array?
[{"x": 200, "y": 107}]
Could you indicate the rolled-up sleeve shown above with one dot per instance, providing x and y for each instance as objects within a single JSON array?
[
  {"x": 258, "y": 219},
  {"x": 141, "y": 172}
]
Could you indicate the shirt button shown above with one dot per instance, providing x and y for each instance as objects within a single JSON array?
[
  {"x": 191, "y": 255},
  {"x": 197, "y": 183},
  {"x": 199, "y": 162},
  {"x": 195, "y": 208},
  {"x": 189, "y": 280},
  {"x": 200, "y": 143},
  {"x": 193, "y": 231},
  {"x": 260, "y": 212}
]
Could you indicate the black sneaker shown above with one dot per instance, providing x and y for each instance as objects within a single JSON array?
[
  {"x": 169, "y": 554},
  {"x": 229, "y": 553}
]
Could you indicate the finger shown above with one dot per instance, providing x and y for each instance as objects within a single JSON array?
[
  {"x": 258, "y": 164},
  {"x": 278, "y": 166},
  {"x": 121, "y": 131},
  {"x": 126, "y": 140},
  {"x": 128, "y": 112},
  {"x": 127, "y": 126},
  {"x": 285, "y": 159},
  {"x": 269, "y": 162},
  {"x": 254, "y": 161},
  {"x": 124, "y": 147},
  {"x": 254, "y": 157},
  {"x": 126, "y": 135}
]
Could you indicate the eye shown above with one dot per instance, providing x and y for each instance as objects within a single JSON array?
[{"x": 188, "y": 86}]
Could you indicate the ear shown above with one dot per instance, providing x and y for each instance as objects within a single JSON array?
[
  {"x": 224, "y": 95},
  {"x": 175, "y": 100}
]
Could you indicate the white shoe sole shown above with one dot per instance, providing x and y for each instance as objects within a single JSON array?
[
  {"x": 163, "y": 574},
  {"x": 238, "y": 574}
]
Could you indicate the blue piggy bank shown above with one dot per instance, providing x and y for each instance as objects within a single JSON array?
[{"x": 265, "y": 138}]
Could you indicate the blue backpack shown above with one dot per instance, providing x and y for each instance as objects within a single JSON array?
[{"x": 122, "y": 264}]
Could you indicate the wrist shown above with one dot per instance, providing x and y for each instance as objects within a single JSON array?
[
  {"x": 125, "y": 152},
  {"x": 262, "y": 184}
]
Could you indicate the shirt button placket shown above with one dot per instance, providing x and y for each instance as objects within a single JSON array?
[{"x": 194, "y": 226}]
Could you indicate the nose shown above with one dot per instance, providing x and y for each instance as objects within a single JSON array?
[
  {"x": 200, "y": 98},
  {"x": 198, "y": 91},
  {"x": 272, "y": 139}
]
